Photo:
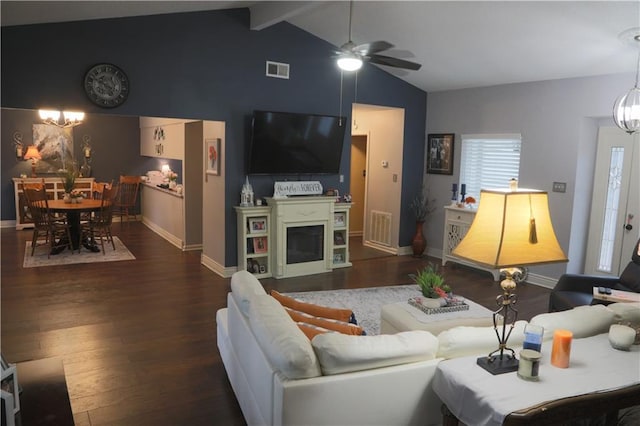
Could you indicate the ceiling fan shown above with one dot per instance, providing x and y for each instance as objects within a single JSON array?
[{"x": 351, "y": 56}]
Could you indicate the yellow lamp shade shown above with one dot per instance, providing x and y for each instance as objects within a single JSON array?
[{"x": 511, "y": 228}]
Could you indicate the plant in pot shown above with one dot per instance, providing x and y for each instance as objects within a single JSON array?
[
  {"x": 68, "y": 176},
  {"x": 431, "y": 282},
  {"x": 422, "y": 206}
]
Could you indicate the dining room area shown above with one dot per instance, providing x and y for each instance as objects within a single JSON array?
[{"x": 71, "y": 218}]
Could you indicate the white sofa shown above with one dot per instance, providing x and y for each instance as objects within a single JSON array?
[{"x": 281, "y": 378}]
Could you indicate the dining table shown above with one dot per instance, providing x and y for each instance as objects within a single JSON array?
[{"x": 73, "y": 212}]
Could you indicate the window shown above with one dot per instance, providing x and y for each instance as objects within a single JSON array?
[{"x": 489, "y": 161}]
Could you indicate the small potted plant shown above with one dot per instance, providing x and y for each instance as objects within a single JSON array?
[
  {"x": 68, "y": 176},
  {"x": 431, "y": 283}
]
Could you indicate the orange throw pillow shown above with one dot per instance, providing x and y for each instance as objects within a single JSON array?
[
  {"x": 330, "y": 324},
  {"x": 311, "y": 309},
  {"x": 311, "y": 330}
]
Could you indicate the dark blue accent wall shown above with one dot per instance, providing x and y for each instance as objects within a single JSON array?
[{"x": 210, "y": 66}]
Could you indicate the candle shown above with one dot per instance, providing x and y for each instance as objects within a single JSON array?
[
  {"x": 454, "y": 187},
  {"x": 463, "y": 189},
  {"x": 529, "y": 364},
  {"x": 561, "y": 349}
]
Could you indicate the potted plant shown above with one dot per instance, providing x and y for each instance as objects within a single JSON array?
[
  {"x": 422, "y": 206},
  {"x": 68, "y": 176},
  {"x": 431, "y": 282}
]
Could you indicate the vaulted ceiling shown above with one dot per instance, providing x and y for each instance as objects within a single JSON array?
[{"x": 460, "y": 44}]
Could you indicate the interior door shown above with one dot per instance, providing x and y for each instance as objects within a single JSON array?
[
  {"x": 358, "y": 179},
  {"x": 615, "y": 206}
]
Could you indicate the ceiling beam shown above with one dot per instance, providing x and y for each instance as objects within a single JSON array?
[{"x": 267, "y": 13}]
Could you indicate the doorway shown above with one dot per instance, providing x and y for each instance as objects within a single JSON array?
[
  {"x": 615, "y": 206},
  {"x": 358, "y": 184}
]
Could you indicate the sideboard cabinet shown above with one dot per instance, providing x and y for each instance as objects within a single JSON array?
[
  {"x": 457, "y": 221},
  {"x": 55, "y": 191}
]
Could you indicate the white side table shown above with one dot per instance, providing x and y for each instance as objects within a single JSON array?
[{"x": 475, "y": 397}]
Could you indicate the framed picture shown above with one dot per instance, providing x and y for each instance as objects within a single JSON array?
[
  {"x": 440, "y": 153},
  {"x": 257, "y": 225},
  {"x": 338, "y": 238},
  {"x": 339, "y": 219},
  {"x": 55, "y": 145},
  {"x": 338, "y": 258},
  {"x": 9, "y": 384},
  {"x": 260, "y": 245},
  {"x": 212, "y": 156}
]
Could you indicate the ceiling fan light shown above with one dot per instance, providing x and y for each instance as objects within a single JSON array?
[
  {"x": 626, "y": 111},
  {"x": 349, "y": 63}
]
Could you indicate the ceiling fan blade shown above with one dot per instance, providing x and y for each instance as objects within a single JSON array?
[
  {"x": 372, "y": 47},
  {"x": 393, "y": 62}
]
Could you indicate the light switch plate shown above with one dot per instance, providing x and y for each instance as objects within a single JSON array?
[{"x": 559, "y": 187}]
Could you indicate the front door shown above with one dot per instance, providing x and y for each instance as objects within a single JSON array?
[{"x": 615, "y": 207}]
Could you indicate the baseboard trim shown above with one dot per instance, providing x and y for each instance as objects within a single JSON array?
[
  {"x": 224, "y": 272},
  {"x": 385, "y": 249},
  {"x": 163, "y": 233},
  {"x": 8, "y": 224}
]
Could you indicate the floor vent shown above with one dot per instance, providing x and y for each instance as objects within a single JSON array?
[
  {"x": 380, "y": 227},
  {"x": 277, "y": 70}
]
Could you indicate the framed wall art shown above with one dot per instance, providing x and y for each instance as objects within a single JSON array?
[
  {"x": 55, "y": 145},
  {"x": 212, "y": 156},
  {"x": 440, "y": 153}
]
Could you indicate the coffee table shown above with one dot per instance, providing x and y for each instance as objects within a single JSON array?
[
  {"x": 596, "y": 371},
  {"x": 400, "y": 316}
]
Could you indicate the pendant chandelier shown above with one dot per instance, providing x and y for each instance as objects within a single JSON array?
[{"x": 626, "y": 109}]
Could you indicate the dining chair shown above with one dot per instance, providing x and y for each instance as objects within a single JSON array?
[
  {"x": 54, "y": 230},
  {"x": 126, "y": 201},
  {"x": 23, "y": 200},
  {"x": 100, "y": 224}
]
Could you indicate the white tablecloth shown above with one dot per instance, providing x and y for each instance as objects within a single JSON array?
[{"x": 476, "y": 397}]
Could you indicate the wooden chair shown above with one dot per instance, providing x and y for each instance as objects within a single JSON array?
[
  {"x": 125, "y": 204},
  {"x": 98, "y": 187},
  {"x": 100, "y": 224},
  {"x": 46, "y": 225},
  {"x": 23, "y": 200}
]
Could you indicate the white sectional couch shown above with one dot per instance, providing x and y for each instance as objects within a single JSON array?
[{"x": 281, "y": 378}]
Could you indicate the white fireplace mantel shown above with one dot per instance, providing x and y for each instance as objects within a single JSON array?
[{"x": 298, "y": 212}]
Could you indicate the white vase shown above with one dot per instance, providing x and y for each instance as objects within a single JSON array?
[
  {"x": 66, "y": 198},
  {"x": 172, "y": 184}
]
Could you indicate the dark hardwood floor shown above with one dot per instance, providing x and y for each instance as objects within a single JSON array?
[{"x": 138, "y": 338}]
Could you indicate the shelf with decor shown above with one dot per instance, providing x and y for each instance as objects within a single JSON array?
[
  {"x": 340, "y": 247},
  {"x": 254, "y": 248},
  {"x": 55, "y": 191}
]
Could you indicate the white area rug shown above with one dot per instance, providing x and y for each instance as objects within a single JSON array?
[
  {"x": 67, "y": 258},
  {"x": 366, "y": 303}
]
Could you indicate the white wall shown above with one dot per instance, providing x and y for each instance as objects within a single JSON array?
[
  {"x": 213, "y": 209},
  {"x": 384, "y": 127},
  {"x": 558, "y": 121}
]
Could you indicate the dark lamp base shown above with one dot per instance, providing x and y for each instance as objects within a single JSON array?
[{"x": 506, "y": 364}]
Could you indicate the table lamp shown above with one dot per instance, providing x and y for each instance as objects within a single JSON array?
[
  {"x": 511, "y": 228},
  {"x": 34, "y": 155}
]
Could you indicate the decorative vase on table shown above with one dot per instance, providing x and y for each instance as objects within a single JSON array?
[
  {"x": 66, "y": 198},
  {"x": 418, "y": 243}
]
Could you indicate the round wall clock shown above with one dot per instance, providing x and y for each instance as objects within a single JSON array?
[{"x": 106, "y": 85}]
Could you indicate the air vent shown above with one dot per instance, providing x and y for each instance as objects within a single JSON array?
[{"x": 277, "y": 70}]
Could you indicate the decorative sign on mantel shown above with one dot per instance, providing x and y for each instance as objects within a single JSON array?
[{"x": 285, "y": 189}]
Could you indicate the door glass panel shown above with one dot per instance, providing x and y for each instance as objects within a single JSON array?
[{"x": 605, "y": 259}]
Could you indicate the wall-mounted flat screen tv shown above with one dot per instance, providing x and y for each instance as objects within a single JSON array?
[{"x": 292, "y": 143}]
